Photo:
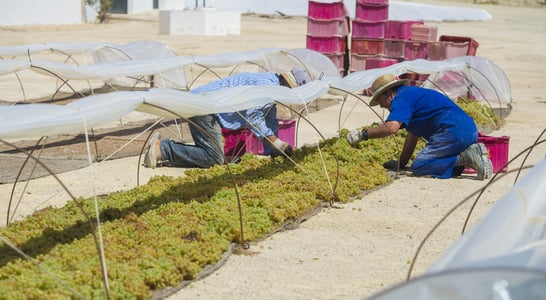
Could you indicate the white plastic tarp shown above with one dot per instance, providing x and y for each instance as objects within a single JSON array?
[
  {"x": 30, "y": 121},
  {"x": 501, "y": 257}
]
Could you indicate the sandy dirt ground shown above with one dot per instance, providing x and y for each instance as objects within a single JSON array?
[{"x": 359, "y": 248}]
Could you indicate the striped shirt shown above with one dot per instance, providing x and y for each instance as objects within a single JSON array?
[{"x": 252, "y": 118}]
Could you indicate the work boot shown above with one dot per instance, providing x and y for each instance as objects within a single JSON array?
[
  {"x": 151, "y": 157},
  {"x": 477, "y": 157}
]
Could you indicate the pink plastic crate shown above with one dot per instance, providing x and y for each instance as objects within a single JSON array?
[
  {"x": 372, "y": 12},
  {"x": 399, "y": 29},
  {"x": 472, "y": 43},
  {"x": 287, "y": 133},
  {"x": 358, "y": 62},
  {"x": 326, "y": 10},
  {"x": 327, "y": 44},
  {"x": 331, "y": 27},
  {"x": 424, "y": 33},
  {"x": 436, "y": 51},
  {"x": 367, "y": 46},
  {"x": 415, "y": 50},
  {"x": 234, "y": 141},
  {"x": 455, "y": 49},
  {"x": 414, "y": 78},
  {"x": 337, "y": 58},
  {"x": 394, "y": 48},
  {"x": 384, "y": 2},
  {"x": 379, "y": 62},
  {"x": 365, "y": 29},
  {"x": 498, "y": 152}
]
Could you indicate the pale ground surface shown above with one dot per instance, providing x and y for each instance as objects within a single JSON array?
[{"x": 367, "y": 245}]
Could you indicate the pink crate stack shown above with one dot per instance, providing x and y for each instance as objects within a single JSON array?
[
  {"x": 326, "y": 10},
  {"x": 372, "y": 12},
  {"x": 331, "y": 27},
  {"x": 365, "y": 29}
]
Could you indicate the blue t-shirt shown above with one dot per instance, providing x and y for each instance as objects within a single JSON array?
[{"x": 424, "y": 112}]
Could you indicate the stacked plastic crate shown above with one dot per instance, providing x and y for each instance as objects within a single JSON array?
[
  {"x": 328, "y": 31},
  {"x": 368, "y": 35},
  {"x": 449, "y": 46}
]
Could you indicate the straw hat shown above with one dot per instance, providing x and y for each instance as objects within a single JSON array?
[
  {"x": 296, "y": 77},
  {"x": 383, "y": 84}
]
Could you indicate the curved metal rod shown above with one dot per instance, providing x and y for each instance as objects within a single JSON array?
[
  {"x": 479, "y": 192},
  {"x": 528, "y": 149},
  {"x": 490, "y": 83},
  {"x": 244, "y": 244},
  {"x": 335, "y": 196},
  {"x": 17, "y": 180},
  {"x": 78, "y": 204},
  {"x": 69, "y": 57},
  {"x": 22, "y": 87},
  {"x": 298, "y": 60},
  {"x": 58, "y": 77},
  {"x": 206, "y": 68},
  {"x": 528, "y": 153}
]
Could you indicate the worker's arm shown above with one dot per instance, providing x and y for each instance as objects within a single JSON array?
[
  {"x": 384, "y": 130},
  {"x": 407, "y": 151}
]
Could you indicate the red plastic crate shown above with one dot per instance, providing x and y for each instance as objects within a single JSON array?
[
  {"x": 384, "y": 2},
  {"x": 326, "y": 10},
  {"x": 365, "y": 29},
  {"x": 424, "y": 33},
  {"x": 394, "y": 48},
  {"x": 331, "y": 27},
  {"x": 327, "y": 44},
  {"x": 472, "y": 47},
  {"x": 372, "y": 12},
  {"x": 287, "y": 133},
  {"x": 498, "y": 152},
  {"x": 367, "y": 46},
  {"x": 400, "y": 29},
  {"x": 415, "y": 50}
]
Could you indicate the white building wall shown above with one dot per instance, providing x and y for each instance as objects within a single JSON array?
[
  {"x": 40, "y": 12},
  {"x": 138, "y": 6}
]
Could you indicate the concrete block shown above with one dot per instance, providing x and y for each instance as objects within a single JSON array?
[{"x": 200, "y": 21}]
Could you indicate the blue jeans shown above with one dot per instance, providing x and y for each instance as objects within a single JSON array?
[
  {"x": 439, "y": 156},
  {"x": 207, "y": 151}
]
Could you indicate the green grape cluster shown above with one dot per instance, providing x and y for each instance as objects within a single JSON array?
[{"x": 168, "y": 230}]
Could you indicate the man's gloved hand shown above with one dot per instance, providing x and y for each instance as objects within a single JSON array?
[
  {"x": 281, "y": 147},
  {"x": 355, "y": 136},
  {"x": 393, "y": 166}
]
